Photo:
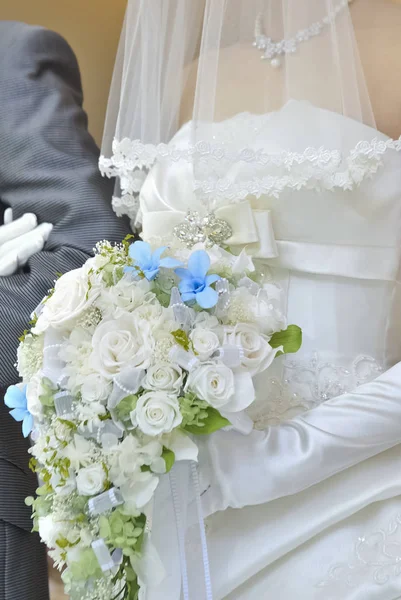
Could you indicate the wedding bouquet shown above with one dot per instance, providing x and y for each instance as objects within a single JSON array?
[{"x": 128, "y": 360}]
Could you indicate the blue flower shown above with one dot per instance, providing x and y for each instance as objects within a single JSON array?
[
  {"x": 15, "y": 398},
  {"x": 195, "y": 283},
  {"x": 148, "y": 263}
]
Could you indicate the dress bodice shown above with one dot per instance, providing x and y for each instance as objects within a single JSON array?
[{"x": 336, "y": 216}]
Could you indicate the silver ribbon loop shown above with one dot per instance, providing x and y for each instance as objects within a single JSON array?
[
  {"x": 223, "y": 290},
  {"x": 105, "y": 502},
  {"x": 63, "y": 404},
  {"x": 106, "y": 428},
  {"x": 230, "y": 355},
  {"x": 103, "y": 555},
  {"x": 183, "y": 314}
]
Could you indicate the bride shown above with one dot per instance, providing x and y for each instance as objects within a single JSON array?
[{"x": 265, "y": 102}]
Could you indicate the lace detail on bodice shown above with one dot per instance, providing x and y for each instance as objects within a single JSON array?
[
  {"x": 307, "y": 384},
  {"x": 226, "y": 145},
  {"x": 376, "y": 558}
]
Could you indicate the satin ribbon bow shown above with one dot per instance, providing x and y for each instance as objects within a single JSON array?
[{"x": 251, "y": 228}]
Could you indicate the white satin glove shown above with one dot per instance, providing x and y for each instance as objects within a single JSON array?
[
  {"x": 19, "y": 240},
  {"x": 241, "y": 470}
]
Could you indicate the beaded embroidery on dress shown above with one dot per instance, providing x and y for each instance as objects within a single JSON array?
[
  {"x": 308, "y": 383},
  {"x": 376, "y": 556}
]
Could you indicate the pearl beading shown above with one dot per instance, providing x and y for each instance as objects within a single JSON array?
[{"x": 273, "y": 50}]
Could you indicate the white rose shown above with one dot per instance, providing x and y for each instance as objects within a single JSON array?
[
  {"x": 214, "y": 383},
  {"x": 156, "y": 413},
  {"x": 204, "y": 342},
  {"x": 72, "y": 296},
  {"x": 121, "y": 343},
  {"x": 163, "y": 377},
  {"x": 90, "y": 480},
  {"x": 34, "y": 389},
  {"x": 95, "y": 388},
  {"x": 257, "y": 352}
]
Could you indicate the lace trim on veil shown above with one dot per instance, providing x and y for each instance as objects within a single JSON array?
[{"x": 216, "y": 180}]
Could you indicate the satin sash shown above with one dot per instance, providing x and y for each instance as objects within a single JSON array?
[{"x": 253, "y": 230}]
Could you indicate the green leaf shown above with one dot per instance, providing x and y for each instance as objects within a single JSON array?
[
  {"x": 62, "y": 542},
  {"x": 124, "y": 408},
  {"x": 181, "y": 338},
  {"x": 68, "y": 424},
  {"x": 290, "y": 339},
  {"x": 23, "y": 336},
  {"x": 127, "y": 242},
  {"x": 130, "y": 573},
  {"x": 213, "y": 422},
  {"x": 34, "y": 320},
  {"x": 47, "y": 400},
  {"x": 33, "y": 463},
  {"x": 169, "y": 458}
]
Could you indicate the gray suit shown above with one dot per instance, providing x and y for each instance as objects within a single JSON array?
[{"x": 48, "y": 165}]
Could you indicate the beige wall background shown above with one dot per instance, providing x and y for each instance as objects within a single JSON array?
[{"x": 92, "y": 28}]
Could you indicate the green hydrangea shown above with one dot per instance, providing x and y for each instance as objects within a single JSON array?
[
  {"x": 193, "y": 410},
  {"x": 86, "y": 568},
  {"x": 123, "y": 531}
]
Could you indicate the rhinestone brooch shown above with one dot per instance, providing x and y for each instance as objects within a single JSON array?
[{"x": 206, "y": 229}]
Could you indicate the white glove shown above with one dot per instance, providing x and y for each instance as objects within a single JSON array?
[
  {"x": 240, "y": 470},
  {"x": 19, "y": 240}
]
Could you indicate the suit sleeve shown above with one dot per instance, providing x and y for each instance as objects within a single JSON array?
[{"x": 49, "y": 166}]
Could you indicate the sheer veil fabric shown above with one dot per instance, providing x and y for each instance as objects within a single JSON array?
[
  {"x": 195, "y": 62},
  {"x": 307, "y": 505}
]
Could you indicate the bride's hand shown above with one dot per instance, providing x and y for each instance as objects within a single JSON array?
[
  {"x": 239, "y": 470},
  {"x": 19, "y": 240}
]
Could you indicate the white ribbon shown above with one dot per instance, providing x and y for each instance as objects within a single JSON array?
[
  {"x": 180, "y": 529},
  {"x": 251, "y": 228},
  {"x": 186, "y": 360},
  {"x": 202, "y": 531},
  {"x": 126, "y": 383},
  {"x": 53, "y": 367}
]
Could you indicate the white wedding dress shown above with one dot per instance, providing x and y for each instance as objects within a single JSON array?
[{"x": 338, "y": 239}]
